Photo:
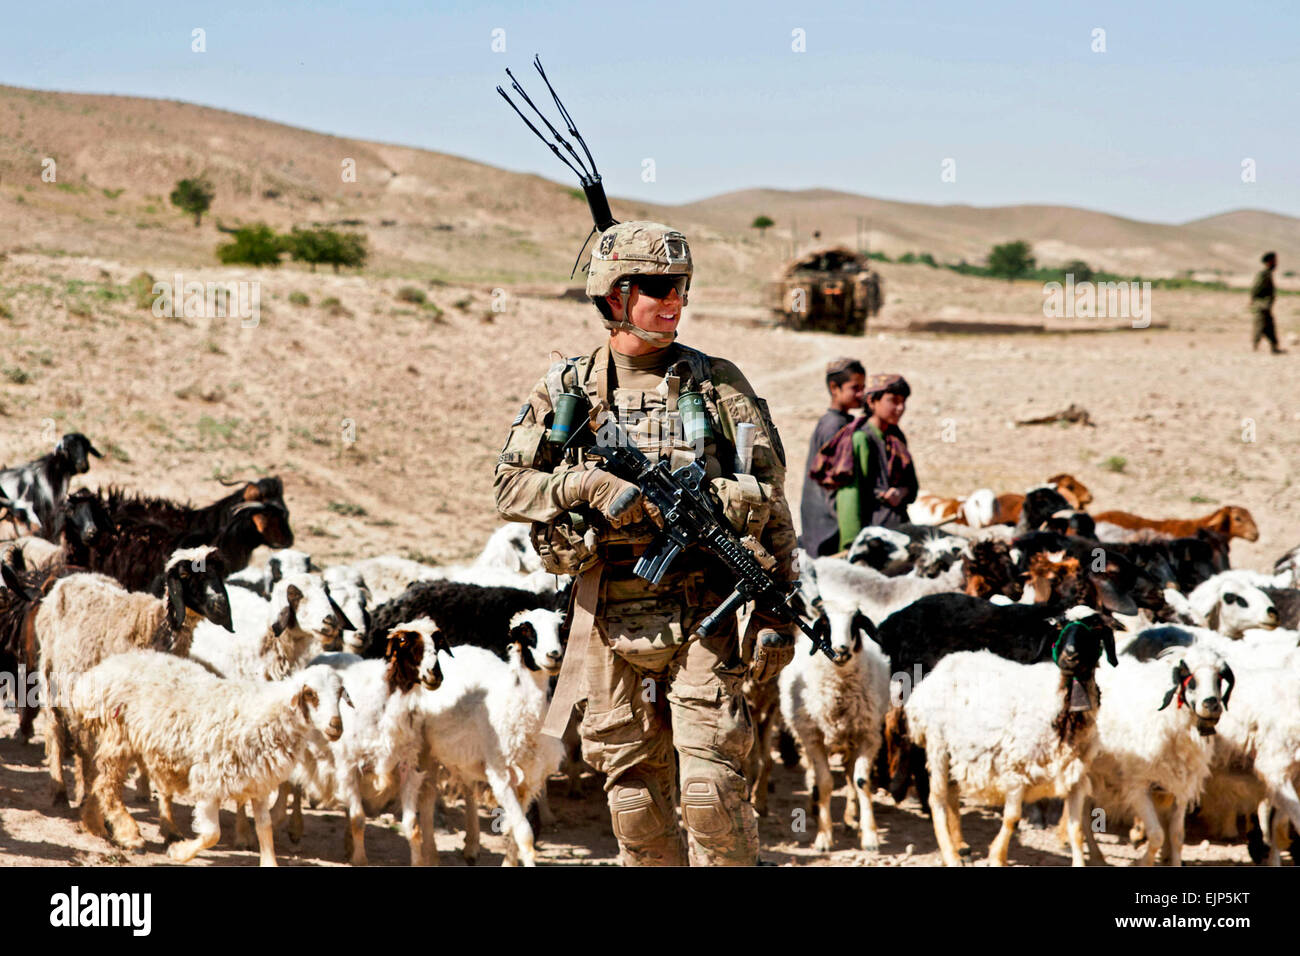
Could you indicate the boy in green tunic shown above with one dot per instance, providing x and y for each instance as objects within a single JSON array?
[{"x": 884, "y": 478}]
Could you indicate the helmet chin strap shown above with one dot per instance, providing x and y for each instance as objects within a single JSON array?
[{"x": 622, "y": 325}]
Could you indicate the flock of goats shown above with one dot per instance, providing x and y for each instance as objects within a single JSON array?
[{"x": 1010, "y": 650}]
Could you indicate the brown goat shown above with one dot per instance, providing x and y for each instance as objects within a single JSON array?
[
  {"x": 1053, "y": 576},
  {"x": 1230, "y": 520},
  {"x": 1072, "y": 489},
  {"x": 988, "y": 570}
]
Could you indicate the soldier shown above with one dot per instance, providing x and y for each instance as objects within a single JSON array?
[
  {"x": 1261, "y": 304},
  {"x": 658, "y": 699}
]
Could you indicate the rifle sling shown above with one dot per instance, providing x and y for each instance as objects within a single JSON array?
[{"x": 571, "y": 687}]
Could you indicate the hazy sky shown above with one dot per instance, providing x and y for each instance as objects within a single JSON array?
[{"x": 1155, "y": 127}]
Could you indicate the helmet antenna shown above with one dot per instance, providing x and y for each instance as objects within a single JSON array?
[{"x": 597, "y": 202}]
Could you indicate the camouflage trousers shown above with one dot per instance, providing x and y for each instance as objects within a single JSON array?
[
  {"x": 658, "y": 706},
  {"x": 1262, "y": 328}
]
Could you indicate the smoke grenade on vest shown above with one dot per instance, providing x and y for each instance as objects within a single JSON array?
[
  {"x": 567, "y": 406},
  {"x": 695, "y": 420}
]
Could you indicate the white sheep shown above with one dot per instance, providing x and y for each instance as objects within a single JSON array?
[
  {"x": 1262, "y": 733},
  {"x": 347, "y": 588},
  {"x": 545, "y": 640},
  {"x": 378, "y": 756},
  {"x": 279, "y": 563},
  {"x": 980, "y": 508},
  {"x": 271, "y": 639},
  {"x": 1156, "y": 730},
  {"x": 510, "y": 549},
  {"x": 1230, "y": 603},
  {"x": 1003, "y": 732},
  {"x": 1257, "y": 746},
  {"x": 387, "y": 576},
  {"x": 837, "y": 707},
  {"x": 198, "y": 734},
  {"x": 88, "y": 617},
  {"x": 874, "y": 594},
  {"x": 484, "y": 725}
]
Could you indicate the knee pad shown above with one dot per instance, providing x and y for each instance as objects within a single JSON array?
[
  {"x": 637, "y": 816},
  {"x": 703, "y": 810}
]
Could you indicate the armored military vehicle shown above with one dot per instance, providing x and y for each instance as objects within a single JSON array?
[{"x": 827, "y": 290}]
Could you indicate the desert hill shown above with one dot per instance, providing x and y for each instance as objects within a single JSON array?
[{"x": 429, "y": 214}]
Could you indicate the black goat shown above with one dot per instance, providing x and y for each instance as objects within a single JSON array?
[
  {"x": 35, "y": 489},
  {"x": 214, "y": 524},
  {"x": 1197, "y": 559},
  {"x": 1287, "y": 603},
  {"x": 464, "y": 613},
  {"x": 87, "y": 535},
  {"x": 938, "y": 624},
  {"x": 149, "y": 529},
  {"x": 18, "y": 652},
  {"x": 1039, "y": 505},
  {"x": 930, "y": 628},
  {"x": 1116, "y": 582}
]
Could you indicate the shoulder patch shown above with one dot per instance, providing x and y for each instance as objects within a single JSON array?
[{"x": 523, "y": 410}]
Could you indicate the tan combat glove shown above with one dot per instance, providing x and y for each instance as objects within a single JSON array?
[
  {"x": 772, "y": 651},
  {"x": 619, "y": 501}
]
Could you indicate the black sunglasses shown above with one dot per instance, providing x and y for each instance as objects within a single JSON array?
[{"x": 658, "y": 286}]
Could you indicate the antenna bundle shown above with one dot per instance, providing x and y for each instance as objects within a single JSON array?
[{"x": 588, "y": 178}]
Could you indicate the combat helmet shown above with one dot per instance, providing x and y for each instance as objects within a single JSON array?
[
  {"x": 629, "y": 249},
  {"x": 625, "y": 249}
]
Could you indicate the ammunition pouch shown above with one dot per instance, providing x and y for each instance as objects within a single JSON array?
[
  {"x": 746, "y": 503},
  {"x": 566, "y": 545},
  {"x": 644, "y": 632}
]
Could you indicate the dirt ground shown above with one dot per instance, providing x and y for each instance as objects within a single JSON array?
[
  {"x": 33, "y": 834},
  {"x": 385, "y": 417}
]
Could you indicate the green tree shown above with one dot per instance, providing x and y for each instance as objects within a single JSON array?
[
  {"x": 256, "y": 245},
  {"x": 352, "y": 250},
  {"x": 316, "y": 246},
  {"x": 1081, "y": 271},
  {"x": 762, "y": 223},
  {"x": 305, "y": 245},
  {"x": 1011, "y": 259},
  {"x": 193, "y": 196}
]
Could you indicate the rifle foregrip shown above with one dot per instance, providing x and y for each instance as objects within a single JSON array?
[{"x": 729, "y": 606}]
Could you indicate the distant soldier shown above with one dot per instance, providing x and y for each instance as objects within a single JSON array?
[
  {"x": 846, "y": 380},
  {"x": 1261, "y": 304}
]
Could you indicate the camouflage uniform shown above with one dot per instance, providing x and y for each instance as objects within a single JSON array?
[
  {"x": 649, "y": 687},
  {"x": 1261, "y": 306}
]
